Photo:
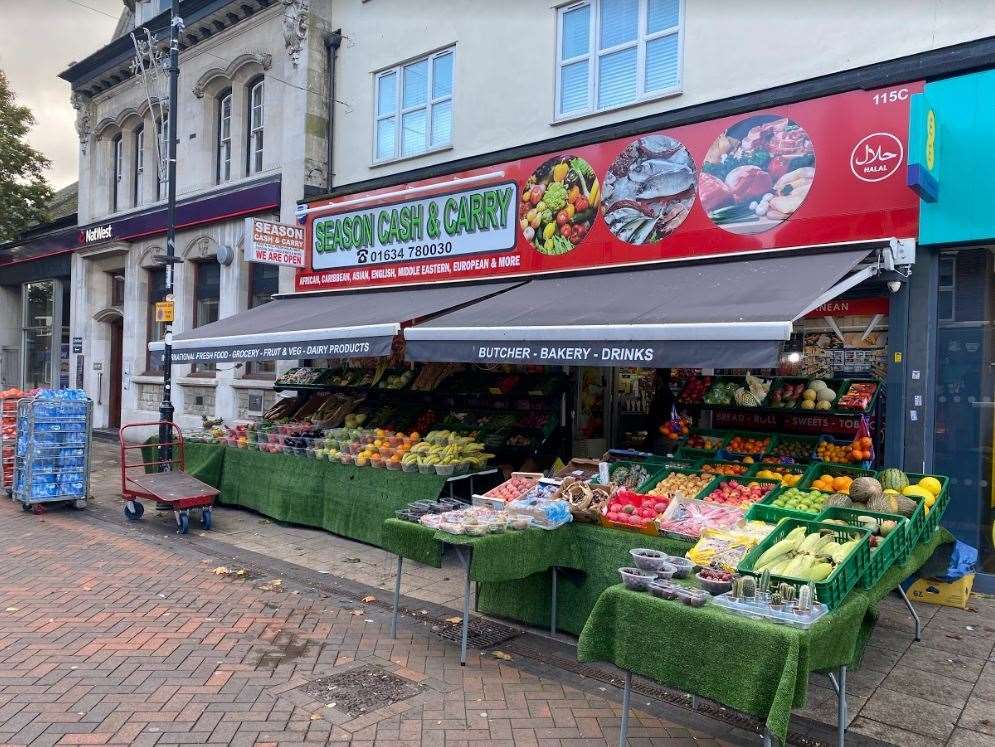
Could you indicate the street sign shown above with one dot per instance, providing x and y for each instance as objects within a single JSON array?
[{"x": 164, "y": 311}]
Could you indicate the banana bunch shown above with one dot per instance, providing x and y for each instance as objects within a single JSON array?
[
  {"x": 808, "y": 556},
  {"x": 453, "y": 449}
]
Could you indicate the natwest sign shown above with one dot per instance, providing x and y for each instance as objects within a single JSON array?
[
  {"x": 96, "y": 234},
  {"x": 824, "y": 171}
]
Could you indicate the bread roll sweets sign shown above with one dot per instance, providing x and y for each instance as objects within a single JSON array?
[{"x": 788, "y": 177}]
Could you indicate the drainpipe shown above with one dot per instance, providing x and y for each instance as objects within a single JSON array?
[{"x": 332, "y": 43}]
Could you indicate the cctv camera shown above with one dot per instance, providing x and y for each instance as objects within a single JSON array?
[{"x": 894, "y": 286}]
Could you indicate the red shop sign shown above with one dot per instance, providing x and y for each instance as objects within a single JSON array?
[
  {"x": 825, "y": 171},
  {"x": 851, "y": 307}
]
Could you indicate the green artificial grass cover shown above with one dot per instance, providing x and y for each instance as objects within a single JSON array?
[
  {"x": 752, "y": 666},
  {"x": 350, "y": 501}
]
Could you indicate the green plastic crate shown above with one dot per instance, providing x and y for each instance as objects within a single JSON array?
[
  {"x": 836, "y": 470},
  {"x": 775, "y": 485},
  {"x": 893, "y": 549},
  {"x": 846, "y": 386},
  {"x": 765, "y": 510},
  {"x": 722, "y": 435},
  {"x": 694, "y": 455},
  {"x": 811, "y": 441},
  {"x": 834, "y": 589},
  {"x": 748, "y": 434},
  {"x": 921, "y": 524},
  {"x": 750, "y": 468},
  {"x": 833, "y": 384},
  {"x": 649, "y": 468}
]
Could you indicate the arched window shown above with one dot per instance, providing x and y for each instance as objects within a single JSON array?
[
  {"x": 254, "y": 142},
  {"x": 162, "y": 153},
  {"x": 223, "y": 143},
  {"x": 139, "y": 161},
  {"x": 118, "y": 154}
]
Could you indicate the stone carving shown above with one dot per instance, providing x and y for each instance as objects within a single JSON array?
[
  {"x": 84, "y": 118},
  {"x": 295, "y": 21},
  {"x": 263, "y": 59}
]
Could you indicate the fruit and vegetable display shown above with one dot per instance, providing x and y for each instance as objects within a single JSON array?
[
  {"x": 559, "y": 204},
  {"x": 753, "y": 445},
  {"x": 694, "y": 390},
  {"x": 828, "y": 482},
  {"x": 899, "y": 497},
  {"x": 737, "y": 493},
  {"x": 787, "y": 475},
  {"x": 756, "y": 174},
  {"x": 837, "y": 453},
  {"x": 475, "y": 521},
  {"x": 587, "y": 502},
  {"x": 304, "y": 376},
  {"x": 628, "y": 509},
  {"x": 676, "y": 428},
  {"x": 649, "y": 189},
  {"x": 730, "y": 469},
  {"x": 783, "y": 604},
  {"x": 806, "y": 501},
  {"x": 715, "y": 580},
  {"x": 796, "y": 449},
  {"x": 513, "y": 488},
  {"x": 879, "y": 528},
  {"x": 720, "y": 393},
  {"x": 416, "y": 509},
  {"x": 628, "y": 474},
  {"x": 704, "y": 442},
  {"x": 807, "y": 554},
  {"x": 680, "y": 484},
  {"x": 725, "y": 548},
  {"x": 858, "y": 396},
  {"x": 443, "y": 450},
  {"x": 687, "y": 519}
]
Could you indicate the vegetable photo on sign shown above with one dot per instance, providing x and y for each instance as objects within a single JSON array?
[
  {"x": 559, "y": 204},
  {"x": 649, "y": 189},
  {"x": 757, "y": 174}
]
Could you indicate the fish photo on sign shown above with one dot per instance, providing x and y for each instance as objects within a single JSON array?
[
  {"x": 649, "y": 190},
  {"x": 757, "y": 174}
]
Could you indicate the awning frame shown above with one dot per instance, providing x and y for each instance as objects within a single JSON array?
[{"x": 613, "y": 332}]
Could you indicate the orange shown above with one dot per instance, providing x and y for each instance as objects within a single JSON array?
[{"x": 842, "y": 483}]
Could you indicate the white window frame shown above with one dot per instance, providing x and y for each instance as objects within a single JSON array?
[
  {"x": 256, "y": 129},
  {"x": 593, "y": 58},
  {"x": 224, "y": 149},
  {"x": 137, "y": 191},
  {"x": 400, "y": 111},
  {"x": 117, "y": 146}
]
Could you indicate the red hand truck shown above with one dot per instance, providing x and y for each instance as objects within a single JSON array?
[{"x": 164, "y": 481}]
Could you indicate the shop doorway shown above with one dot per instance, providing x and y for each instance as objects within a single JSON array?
[{"x": 115, "y": 365}]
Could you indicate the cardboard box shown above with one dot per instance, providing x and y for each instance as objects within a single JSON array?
[{"x": 947, "y": 593}]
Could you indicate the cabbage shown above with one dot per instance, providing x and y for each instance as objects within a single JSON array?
[{"x": 555, "y": 196}]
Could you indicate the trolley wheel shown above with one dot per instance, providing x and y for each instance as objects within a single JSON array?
[
  {"x": 183, "y": 522},
  {"x": 206, "y": 518},
  {"x": 133, "y": 514},
  {"x": 25, "y": 506},
  {"x": 80, "y": 503},
  {"x": 38, "y": 509}
]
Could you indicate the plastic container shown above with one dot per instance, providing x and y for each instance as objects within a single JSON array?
[
  {"x": 445, "y": 470},
  {"x": 832, "y": 590},
  {"x": 666, "y": 572},
  {"x": 683, "y": 566},
  {"x": 409, "y": 467},
  {"x": 921, "y": 524},
  {"x": 648, "y": 560},
  {"x": 396, "y": 466},
  {"x": 891, "y": 550},
  {"x": 713, "y": 586},
  {"x": 663, "y": 589},
  {"x": 426, "y": 469},
  {"x": 836, "y": 470},
  {"x": 764, "y": 510},
  {"x": 635, "y": 579}
]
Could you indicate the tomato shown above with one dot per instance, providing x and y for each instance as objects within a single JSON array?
[
  {"x": 536, "y": 195},
  {"x": 580, "y": 205},
  {"x": 565, "y": 231},
  {"x": 562, "y": 217}
]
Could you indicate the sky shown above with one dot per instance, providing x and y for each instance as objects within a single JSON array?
[{"x": 39, "y": 40}]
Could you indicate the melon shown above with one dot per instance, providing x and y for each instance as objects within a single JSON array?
[
  {"x": 906, "y": 506},
  {"x": 865, "y": 489},
  {"x": 839, "y": 500},
  {"x": 893, "y": 479},
  {"x": 883, "y": 503},
  {"x": 825, "y": 395}
]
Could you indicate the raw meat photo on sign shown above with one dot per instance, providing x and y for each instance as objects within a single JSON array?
[{"x": 757, "y": 174}]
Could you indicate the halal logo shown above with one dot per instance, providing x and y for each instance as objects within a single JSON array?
[{"x": 876, "y": 157}]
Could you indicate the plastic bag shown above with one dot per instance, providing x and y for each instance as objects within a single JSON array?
[{"x": 862, "y": 447}]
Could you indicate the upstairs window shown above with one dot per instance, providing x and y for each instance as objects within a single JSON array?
[
  {"x": 162, "y": 174},
  {"x": 616, "y": 52},
  {"x": 254, "y": 151},
  {"x": 224, "y": 137},
  {"x": 414, "y": 107},
  {"x": 118, "y": 173},
  {"x": 139, "y": 160}
]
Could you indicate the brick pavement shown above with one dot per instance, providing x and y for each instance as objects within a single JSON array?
[{"x": 107, "y": 638}]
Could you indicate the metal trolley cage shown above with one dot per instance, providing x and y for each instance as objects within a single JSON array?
[
  {"x": 164, "y": 481},
  {"x": 54, "y": 446},
  {"x": 8, "y": 443}
]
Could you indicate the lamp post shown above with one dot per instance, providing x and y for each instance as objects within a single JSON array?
[{"x": 166, "y": 406}]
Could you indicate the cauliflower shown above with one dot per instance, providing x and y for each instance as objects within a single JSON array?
[{"x": 555, "y": 196}]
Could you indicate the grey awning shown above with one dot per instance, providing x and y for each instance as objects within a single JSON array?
[
  {"x": 732, "y": 314},
  {"x": 339, "y": 325}
]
